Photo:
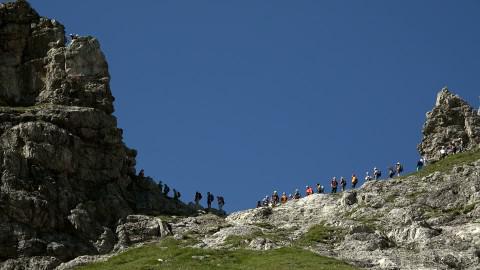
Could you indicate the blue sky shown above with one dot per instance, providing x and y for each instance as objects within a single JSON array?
[{"x": 241, "y": 98}]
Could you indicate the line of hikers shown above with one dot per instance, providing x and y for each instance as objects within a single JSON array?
[
  {"x": 165, "y": 189},
  {"x": 275, "y": 199},
  {"x": 454, "y": 147},
  {"x": 210, "y": 199}
]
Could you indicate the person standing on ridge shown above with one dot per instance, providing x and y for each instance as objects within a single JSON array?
[
  {"x": 275, "y": 198},
  {"x": 391, "y": 172},
  {"x": 284, "y": 198},
  {"x": 176, "y": 195},
  {"x": 198, "y": 198},
  {"x": 266, "y": 201},
  {"x": 166, "y": 189},
  {"x": 376, "y": 173},
  {"x": 320, "y": 189},
  {"x": 297, "y": 195},
  {"x": 160, "y": 186},
  {"x": 419, "y": 164},
  {"x": 221, "y": 202},
  {"x": 210, "y": 199},
  {"x": 354, "y": 180},
  {"x": 399, "y": 168},
  {"x": 368, "y": 177},
  {"x": 343, "y": 183},
  {"x": 334, "y": 185},
  {"x": 308, "y": 191},
  {"x": 141, "y": 174}
]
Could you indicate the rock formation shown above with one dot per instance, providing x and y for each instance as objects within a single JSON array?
[
  {"x": 452, "y": 119},
  {"x": 68, "y": 182}
]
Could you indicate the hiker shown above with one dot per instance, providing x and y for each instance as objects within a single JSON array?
[
  {"x": 259, "y": 204},
  {"x": 368, "y": 177},
  {"x": 376, "y": 173},
  {"x": 460, "y": 145},
  {"x": 141, "y": 174},
  {"x": 284, "y": 198},
  {"x": 334, "y": 185},
  {"x": 176, "y": 195},
  {"x": 443, "y": 152},
  {"x": 210, "y": 199},
  {"x": 354, "y": 180},
  {"x": 275, "y": 198},
  {"x": 419, "y": 164},
  {"x": 198, "y": 198},
  {"x": 160, "y": 186},
  {"x": 266, "y": 201},
  {"x": 399, "y": 168},
  {"x": 320, "y": 189},
  {"x": 74, "y": 36},
  {"x": 308, "y": 191},
  {"x": 343, "y": 183},
  {"x": 297, "y": 195},
  {"x": 166, "y": 189},
  {"x": 221, "y": 202},
  {"x": 391, "y": 172},
  {"x": 290, "y": 196}
]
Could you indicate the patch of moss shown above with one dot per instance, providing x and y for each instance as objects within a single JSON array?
[
  {"x": 243, "y": 240},
  {"x": 265, "y": 225},
  {"x": 321, "y": 233},
  {"x": 391, "y": 198},
  {"x": 22, "y": 109},
  {"x": 468, "y": 208}
]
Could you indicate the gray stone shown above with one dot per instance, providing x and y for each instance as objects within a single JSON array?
[{"x": 451, "y": 119}]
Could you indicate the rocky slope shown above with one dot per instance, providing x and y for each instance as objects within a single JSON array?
[
  {"x": 68, "y": 184},
  {"x": 430, "y": 220}
]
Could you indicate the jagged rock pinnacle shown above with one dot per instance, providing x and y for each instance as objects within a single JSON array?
[{"x": 452, "y": 119}]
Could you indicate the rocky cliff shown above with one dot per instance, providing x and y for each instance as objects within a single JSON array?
[
  {"x": 451, "y": 121},
  {"x": 68, "y": 184}
]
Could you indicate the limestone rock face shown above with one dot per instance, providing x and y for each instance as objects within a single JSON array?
[
  {"x": 451, "y": 119},
  {"x": 67, "y": 179}
]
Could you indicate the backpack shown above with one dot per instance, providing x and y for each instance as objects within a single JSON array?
[{"x": 379, "y": 173}]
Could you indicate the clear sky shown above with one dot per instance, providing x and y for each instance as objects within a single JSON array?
[{"x": 245, "y": 97}]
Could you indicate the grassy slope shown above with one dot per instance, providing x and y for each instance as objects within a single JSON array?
[
  {"x": 175, "y": 256},
  {"x": 446, "y": 164}
]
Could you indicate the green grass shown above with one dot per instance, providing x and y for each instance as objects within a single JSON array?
[
  {"x": 264, "y": 225},
  {"x": 321, "y": 233},
  {"x": 437, "y": 212},
  {"x": 22, "y": 109},
  {"x": 446, "y": 164},
  {"x": 175, "y": 256}
]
